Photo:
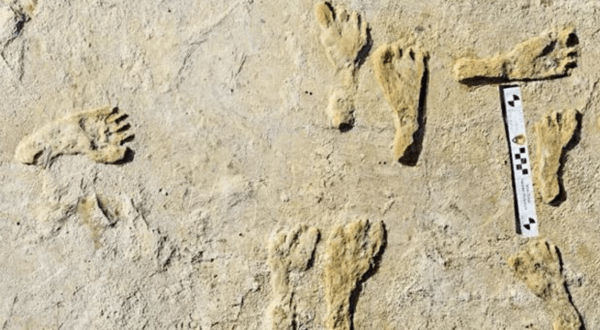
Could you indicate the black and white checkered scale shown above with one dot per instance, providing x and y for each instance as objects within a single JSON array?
[{"x": 521, "y": 162}]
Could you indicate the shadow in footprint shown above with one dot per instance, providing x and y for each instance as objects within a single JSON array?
[
  {"x": 346, "y": 127},
  {"x": 359, "y": 286},
  {"x": 361, "y": 57},
  {"x": 560, "y": 262},
  {"x": 129, "y": 157},
  {"x": 562, "y": 195},
  {"x": 481, "y": 81},
  {"x": 412, "y": 153},
  {"x": 311, "y": 261}
]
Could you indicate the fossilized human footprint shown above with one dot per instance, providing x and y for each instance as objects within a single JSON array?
[
  {"x": 98, "y": 134},
  {"x": 351, "y": 253},
  {"x": 400, "y": 67},
  {"x": 552, "y": 133},
  {"x": 343, "y": 35},
  {"x": 539, "y": 266},
  {"x": 289, "y": 252},
  {"x": 551, "y": 54}
]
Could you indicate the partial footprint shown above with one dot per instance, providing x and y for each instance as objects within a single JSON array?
[
  {"x": 540, "y": 267},
  {"x": 401, "y": 68},
  {"x": 341, "y": 110},
  {"x": 552, "y": 54},
  {"x": 344, "y": 36},
  {"x": 98, "y": 134},
  {"x": 11, "y": 24},
  {"x": 553, "y": 133},
  {"x": 351, "y": 253},
  {"x": 13, "y": 17},
  {"x": 289, "y": 252},
  {"x": 92, "y": 215}
]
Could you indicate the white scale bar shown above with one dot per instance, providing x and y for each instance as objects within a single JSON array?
[{"x": 521, "y": 166}]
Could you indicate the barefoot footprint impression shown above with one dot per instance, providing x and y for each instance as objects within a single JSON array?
[
  {"x": 553, "y": 133},
  {"x": 552, "y": 54},
  {"x": 343, "y": 35},
  {"x": 98, "y": 134},
  {"x": 352, "y": 252},
  {"x": 289, "y": 252},
  {"x": 539, "y": 266},
  {"x": 400, "y": 69}
]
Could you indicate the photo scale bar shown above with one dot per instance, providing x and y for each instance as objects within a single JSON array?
[{"x": 512, "y": 111}]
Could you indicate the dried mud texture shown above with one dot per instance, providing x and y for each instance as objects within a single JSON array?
[
  {"x": 351, "y": 253},
  {"x": 553, "y": 133},
  {"x": 289, "y": 252},
  {"x": 550, "y": 55},
  {"x": 343, "y": 35},
  {"x": 540, "y": 267},
  {"x": 400, "y": 68},
  {"x": 98, "y": 134}
]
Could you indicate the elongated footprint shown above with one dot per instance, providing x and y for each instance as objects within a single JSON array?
[
  {"x": 551, "y": 54},
  {"x": 290, "y": 252},
  {"x": 98, "y": 134},
  {"x": 351, "y": 253},
  {"x": 400, "y": 67},
  {"x": 552, "y": 133},
  {"x": 343, "y": 36}
]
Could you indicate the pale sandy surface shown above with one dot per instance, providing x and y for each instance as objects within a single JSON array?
[{"x": 227, "y": 101}]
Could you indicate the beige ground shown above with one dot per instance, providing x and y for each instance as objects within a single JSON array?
[{"x": 233, "y": 146}]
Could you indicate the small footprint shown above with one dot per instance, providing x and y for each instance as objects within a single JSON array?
[
  {"x": 400, "y": 68},
  {"x": 552, "y": 54},
  {"x": 289, "y": 252},
  {"x": 540, "y": 267},
  {"x": 553, "y": 133},
  {"x": 98, "y": 134},
  {"x": 344, "y": 36},
  {"x": 351, "y": 253}
]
